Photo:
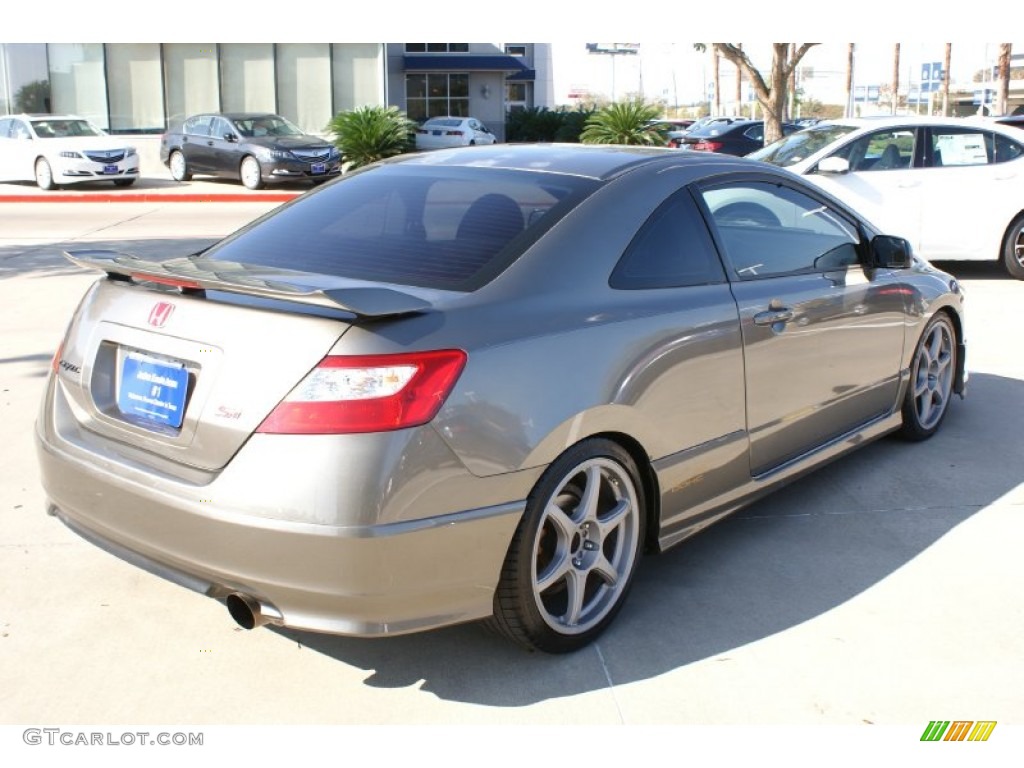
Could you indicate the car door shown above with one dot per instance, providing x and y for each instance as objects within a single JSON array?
[
  {"x": 195, "y": 143},
  {"x": 17, "y": 155},
  {"x": 224, "y": 154},
  {"x": 955, "y": 225},
  {"x": 883, "y": 183},
  {"x": 822, "y": 344}
]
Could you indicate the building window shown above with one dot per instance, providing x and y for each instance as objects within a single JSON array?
[
  {"x": 247, "y": 77},
  {"x": 515, "y": 50},
  {"x": 190, "y": 79},
  {"x": 437, "y": 47},
  {"x": 304, "y": 84},
  {"x": 76, "y": 85},
  {"x": 135, "y": 87},
  {"x": 437, "y": 95}
]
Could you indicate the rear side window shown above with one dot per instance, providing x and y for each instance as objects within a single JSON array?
[
  {"x": 672, "y": 250},
  {"x": 448, "y": 228}
]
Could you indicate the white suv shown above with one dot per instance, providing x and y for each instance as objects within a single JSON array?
[{"x": 63, "y": 149}]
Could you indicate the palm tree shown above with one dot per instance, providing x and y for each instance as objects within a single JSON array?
[
  {"x": 895, "y": 77},
  {"x": 626, "y": 122},
  {"x": 849, "y": 79},
  {"x": 945, "y": 79},
  {"x": 371, "y": 133},
  {"x": 1003, "y": 100}
]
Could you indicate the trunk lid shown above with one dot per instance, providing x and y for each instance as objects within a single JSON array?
[{"x": 185, "y": 358}]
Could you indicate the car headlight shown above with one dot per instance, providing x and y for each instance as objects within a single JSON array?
[
  {"x": 72, "y": 155},
  {"x": 130, "y": 152},
  {"x": 335, "y": 153}
]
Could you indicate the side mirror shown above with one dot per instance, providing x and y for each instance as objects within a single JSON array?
[
  {"x": 834, "y": 165},
  {"x": 230, "y": 137},
  {"x": 890, "y": 252}
]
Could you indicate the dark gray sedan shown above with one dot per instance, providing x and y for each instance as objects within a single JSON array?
[
  {"x": 255, "y": 147},
  {"x": 480, "y": 383}
]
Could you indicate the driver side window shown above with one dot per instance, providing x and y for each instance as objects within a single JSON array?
[{"x": 769, "y": 229}]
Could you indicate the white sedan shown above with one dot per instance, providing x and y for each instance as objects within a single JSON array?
[
  {"x": 953, "y": 187},
  {"x": 52, "y": 150},
  {"x": 443, "y": 132}
]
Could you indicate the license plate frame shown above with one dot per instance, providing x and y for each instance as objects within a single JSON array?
[
  {"x": 109, "y": 170},
  {"x": 318, "y": 169}
]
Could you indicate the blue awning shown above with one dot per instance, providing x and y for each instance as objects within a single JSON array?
[{"x": 465, "y": 62}]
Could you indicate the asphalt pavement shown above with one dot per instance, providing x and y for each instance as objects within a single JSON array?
[{"x": 884, "y": 589}]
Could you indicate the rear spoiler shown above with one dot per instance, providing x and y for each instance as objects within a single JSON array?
[{"x": 196, "y": 274}]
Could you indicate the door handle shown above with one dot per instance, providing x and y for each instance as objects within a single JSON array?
[
  {"x": 209, "y": 143},
  {"x": 773, "y": 316}
]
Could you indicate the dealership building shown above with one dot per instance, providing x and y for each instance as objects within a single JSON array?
[{"x": 141, "y": 88}]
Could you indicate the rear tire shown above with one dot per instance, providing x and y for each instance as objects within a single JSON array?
[
  {"x": 1013, "y": 248},
  {"x": 572, "y": 559},
  {"x": 931, "y": 380},
  {"x": 179, "y": 167}
]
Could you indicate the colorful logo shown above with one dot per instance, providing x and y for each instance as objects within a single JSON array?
[{"x": 958, "y": 730}]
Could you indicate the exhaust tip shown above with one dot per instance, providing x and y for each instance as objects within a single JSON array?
[{"x": 245, "y": 610}]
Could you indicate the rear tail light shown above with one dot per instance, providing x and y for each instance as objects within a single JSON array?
[
  {"x": 708, "y": 146},
  {"x": 368, "y": 393}
]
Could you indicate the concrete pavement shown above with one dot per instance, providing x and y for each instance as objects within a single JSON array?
[{"x": 883, "y": 589}]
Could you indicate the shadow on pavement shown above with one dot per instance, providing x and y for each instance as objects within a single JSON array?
[{"x": 788, "y": 559}]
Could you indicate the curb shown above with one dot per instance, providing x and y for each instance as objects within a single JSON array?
[{"x": 153, "y": 197}]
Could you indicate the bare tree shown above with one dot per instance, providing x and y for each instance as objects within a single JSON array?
[
  {"x": 895, "y": 77},
  {"x": 791, "y": 101},
  {"x": 771, "y": 95},
  {"x": 1003, "y": 98},
  {"x": 849, "y": 79},
  {"x": 945, "y": 79}
]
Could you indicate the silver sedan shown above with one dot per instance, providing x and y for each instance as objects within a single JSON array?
[{"x": 481, "y": 383}]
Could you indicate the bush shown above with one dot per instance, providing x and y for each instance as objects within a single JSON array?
[
  {"x": 628, "y": 122},
  {"x": 545, "y": 125},
  {"x": 368, "y": 134}
]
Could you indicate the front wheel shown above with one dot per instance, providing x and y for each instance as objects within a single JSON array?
[
  {"x": 250, "y": 173},
  {"x": 931, "y": 380},
  {"x": 123, "y": 182},
  {"x": 44, "y": 175},
  {"x": 572, "y": 559},
  {"x": 1013, "y": 248}
]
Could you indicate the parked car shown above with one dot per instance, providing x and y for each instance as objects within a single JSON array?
[
  {"x": 481, "y": 383},
  {"x": 730, "y": 137},
  {"x": 674, "y": 129},
  {"x": 256, "y": 147},
  {"x": 953, "y": 187},
  {"x": 53, "y": 150},
  {"x": 444, "y": 132}
]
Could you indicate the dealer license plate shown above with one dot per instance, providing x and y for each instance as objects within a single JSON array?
[{"x": 152, "y": 391}]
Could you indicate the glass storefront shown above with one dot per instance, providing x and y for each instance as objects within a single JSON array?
[{"x": 142, "y": 87}]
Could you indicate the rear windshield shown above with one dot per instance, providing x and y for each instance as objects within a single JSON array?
[{"x": 448, "y": 228}]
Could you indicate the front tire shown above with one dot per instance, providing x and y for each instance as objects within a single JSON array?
[
  {"x": 931, "y": 380},
  {"x": 572, "y": 559},
  {"x": 250, "y": 172},
  {"x": 179, "y": 167},
  {"x": 123, "y": 182},
  {"x": 1013, "y": 248},
  {"x": 44, "y": 175}
]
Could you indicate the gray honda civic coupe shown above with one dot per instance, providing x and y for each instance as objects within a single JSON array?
[{"x": 481, "y": 383}]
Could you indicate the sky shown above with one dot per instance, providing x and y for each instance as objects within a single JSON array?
[{"x": 678, "y": 74}]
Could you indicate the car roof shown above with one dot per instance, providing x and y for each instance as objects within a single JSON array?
[
  {"x": 596, "y": 161},
  {"x": 905, "y": 121}
]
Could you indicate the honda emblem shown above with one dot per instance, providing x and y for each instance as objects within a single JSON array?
[{"x": 160, "y": 313}]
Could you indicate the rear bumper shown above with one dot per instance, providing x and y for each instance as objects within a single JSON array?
[{"x": 351, "y": 580}]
